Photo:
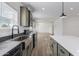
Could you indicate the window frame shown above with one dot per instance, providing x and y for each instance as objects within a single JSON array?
[{"x": 9, "y": 27}]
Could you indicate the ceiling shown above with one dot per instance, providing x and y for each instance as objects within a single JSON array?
[
  {"x": 71, "y": 8},
  {"x": 52, "y": 10}
]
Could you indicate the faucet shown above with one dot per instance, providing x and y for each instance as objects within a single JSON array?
[{"x": 13, "y": 29}]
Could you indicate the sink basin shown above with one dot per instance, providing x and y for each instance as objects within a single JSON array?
[{"x": 20, "y": 38}]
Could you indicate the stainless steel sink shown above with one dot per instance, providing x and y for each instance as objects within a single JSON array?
[{"x": 20, "y": 38}]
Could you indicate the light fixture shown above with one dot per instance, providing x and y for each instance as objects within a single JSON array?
[
  {"x": 71, "y": 8},
  {"x": 62, "y": 15},
  {"x": 43, "y": 8}
]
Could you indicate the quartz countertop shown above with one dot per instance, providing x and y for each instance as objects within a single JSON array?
[
  {"x": 70, "y": 43},
  {"x": 7, "y": 46}
]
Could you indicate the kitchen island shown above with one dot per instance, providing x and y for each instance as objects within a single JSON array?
[{"x": 68, "y": 45}]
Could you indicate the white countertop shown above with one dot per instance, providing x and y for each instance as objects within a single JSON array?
[
  {"x": 70, "y": 43},
  {"x": 7, "y": 46}
]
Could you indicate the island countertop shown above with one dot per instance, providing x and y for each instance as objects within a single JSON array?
[{"x": 70, "y": 43}]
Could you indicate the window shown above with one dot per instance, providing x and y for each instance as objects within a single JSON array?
[{"x": 8, "y": 16}]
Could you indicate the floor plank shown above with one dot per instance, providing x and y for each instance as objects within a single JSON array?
[{"x": 43, "y": 45}]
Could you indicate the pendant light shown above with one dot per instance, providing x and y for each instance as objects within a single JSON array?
[{"x": 62, "y": 15}]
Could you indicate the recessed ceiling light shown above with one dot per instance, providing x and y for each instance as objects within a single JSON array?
[
  {"x": 71, "y": 8},
  {"x": 43, "y": 8}
]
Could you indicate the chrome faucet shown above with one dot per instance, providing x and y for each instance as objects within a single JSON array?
[{"x": 13, "y": 29}]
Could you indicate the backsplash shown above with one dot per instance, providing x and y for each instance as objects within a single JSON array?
[
  {"x": 7, "y": 32},
  {"x": 9, "y": 37}
]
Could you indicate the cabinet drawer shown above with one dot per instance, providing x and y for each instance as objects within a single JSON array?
[{"x": 62, "y": 51}]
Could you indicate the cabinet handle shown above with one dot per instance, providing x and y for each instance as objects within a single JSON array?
[{"x": 62, "y": 51}]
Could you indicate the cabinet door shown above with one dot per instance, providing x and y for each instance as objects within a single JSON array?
[
  {"x": 24, "y": 16},
  {"x": 26, "y": 47},
  {"x": 29, "y": 51},
  {"x": 55, "y": 47},
  {"x": 31, "y": 45},
  {"x": 24, "y": 53},
  {"x": 62, "y": 51}
]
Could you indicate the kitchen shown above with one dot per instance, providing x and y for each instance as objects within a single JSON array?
[
  {"x": 39, "y": 29},
  {"x": 15, "y": 40}
]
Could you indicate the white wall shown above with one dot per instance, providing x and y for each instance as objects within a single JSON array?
[
  {"x": 58, "y": 27},
  {"x": 67, "y": 26},
  {"x": 45, "y": 27},
  {"x": 71, "y": 26}
]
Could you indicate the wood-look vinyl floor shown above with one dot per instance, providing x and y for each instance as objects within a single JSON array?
[{"x": 43, "y": 45}]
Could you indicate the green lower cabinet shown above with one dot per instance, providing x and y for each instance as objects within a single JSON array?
[
  {"x": 62, "y": 51},
  {"x": 58, "y": 50},
  {"x": 29, "y": 50},
  {"x": 24, "y": 53}
]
